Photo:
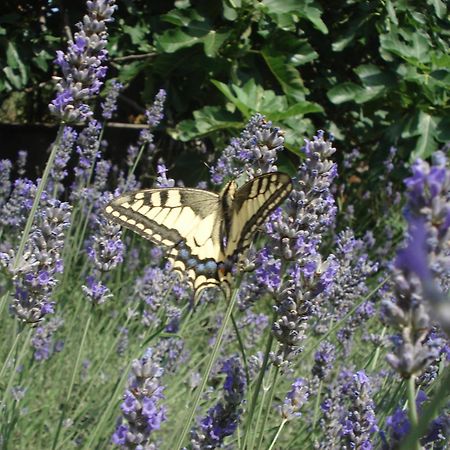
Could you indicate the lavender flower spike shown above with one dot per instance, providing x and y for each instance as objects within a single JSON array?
[
  {"x": 142, "y": 413},
  {"x": 35, "y": 277},
  {"x": 83, "y": 64},
  {"x": 222, "y": 420}
]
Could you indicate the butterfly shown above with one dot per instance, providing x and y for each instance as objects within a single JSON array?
[{"x": 205, "y": 232}]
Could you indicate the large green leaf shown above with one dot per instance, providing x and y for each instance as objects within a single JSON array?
[
  {"x": 413, "y": 47},
  {"x": 15, "y": 64},
  {"x": 299, "y": 109},
  {"x": 227, "y": 92},
  {"x": 344, "y": 92},
  {"x": 286, "y": 74},
  {"x": 206, "y": 120},
  {"x": 426, "y": 144},
  {"x": 213, "y": 41}
]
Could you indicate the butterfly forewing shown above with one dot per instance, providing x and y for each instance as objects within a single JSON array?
[{"x": 252, "y": 204}]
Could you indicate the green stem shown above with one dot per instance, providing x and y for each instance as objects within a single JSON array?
[
  {"x": 40, "y": 189},
  {"x": 242, "y": 348},
  {"x": 317, "y": 404},
  {"x": 412, "y": 409},
  {"x": 208, "y": 368},
  {"x": 257, "y": 389},
  {"x": 268, "y": 407},
  {"x": 377, "y": 351},
  {"x": 72, "y": 382},
  {"x": 274, "y": 440}
]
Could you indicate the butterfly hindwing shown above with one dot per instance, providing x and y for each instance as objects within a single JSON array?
[
  {"x": 187, "y": 221},
  {"x": 252, "y": 205}
]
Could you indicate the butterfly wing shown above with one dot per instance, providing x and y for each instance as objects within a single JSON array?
[
  {"x": 187, "y": 221},
  {"x": 252, "y": 205}
]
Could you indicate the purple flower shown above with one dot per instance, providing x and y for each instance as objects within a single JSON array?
[
  {"x": 398, "y": 426},
  {"x": 162, "y": 181},
  {"x": 35, "y": 275},
  {"x": 15, "y": 211},
  {"x": 59, "y": 169},
  {"x": 154, "y": 116},
  {"x": 421, "y": 269},
  {"x": 222, "y": 419},
  {"x": 83, "y": 65},
  {"x": 359, "y": 423},
  {"x": 323, "y": 360},
  {"x": 141, "y": 408},
  {"x": 110, "y": 104},
  {"x": 253, "y": 153},
  {"x": 296, "y": 237},
  {"x": 42, "y": 339},
  {"x": 95, "y": 291},
  {"x": 294, "y": 400},
  {"x": 5, "y": 180}
]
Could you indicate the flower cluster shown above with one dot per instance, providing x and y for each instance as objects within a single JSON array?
[
  {"x": 142, "y": 412},
  {"x": 18, "y": 204},
  {"x": 294, "y": 400},
  {"x": 43, "y": 339},
  {"x": 254, "y": 152},
  {"x": 5, "y": 180},
  {"x": 83, "y": 65},
  {"x": 109, "y": 106},
  {"x": 154, "y": 115},
  {"x": 87, "y": 148},
  {"x": 419, "y": 266},
  {"x": 35, "y": 275},
  {"x": 398, "y": 427},
  {"x": 297, "y": 236},
  {"x": 106, "y": 253},
  {"x": 59, "y": 169},
  {"x": 349, "y": 287},
  {"x": 359, "y": 423},
  {"x": 222, "y": 419}
]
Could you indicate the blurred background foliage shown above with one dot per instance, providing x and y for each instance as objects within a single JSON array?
[{"x": 374, "y": 73}]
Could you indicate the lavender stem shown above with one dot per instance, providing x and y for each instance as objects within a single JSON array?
[{"x": 209, "y": 365}]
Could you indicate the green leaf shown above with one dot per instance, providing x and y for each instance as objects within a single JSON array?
[
  {"x": 304, "y": 53},
  {"x": 307, "y": 9},
  {"x": 206, "y": 120},
  {"x": 14, "y": 62},
  {"x": 313, "y": 14},
  {"x": 391, "y": 12},
  {"x": 226, "y": 91},
  {"x": 299, "y": 109},
  {"x": 442, "y": 77},
  {"x": 371, "y": 75},
  {"x": 213, "y": 42},
  {"x": 12, "y": 78},
  {"x": 137, "y": 33},
  {"x": 175, "y": 39},
  {"x": 440, "y": 8},
  {"x": 443, "y": 129},
  {"x": 413, "y": 47},
  {"x": 131, "y": 70},
  {"x": 344, "y": 92},
  {"x": 286, "y": 74},
  {"x": 42, "y": 60},
  {"x": 426, "y": 144}
]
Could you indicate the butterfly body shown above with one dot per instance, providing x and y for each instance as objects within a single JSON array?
[{"x": 205, "y": 232}]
